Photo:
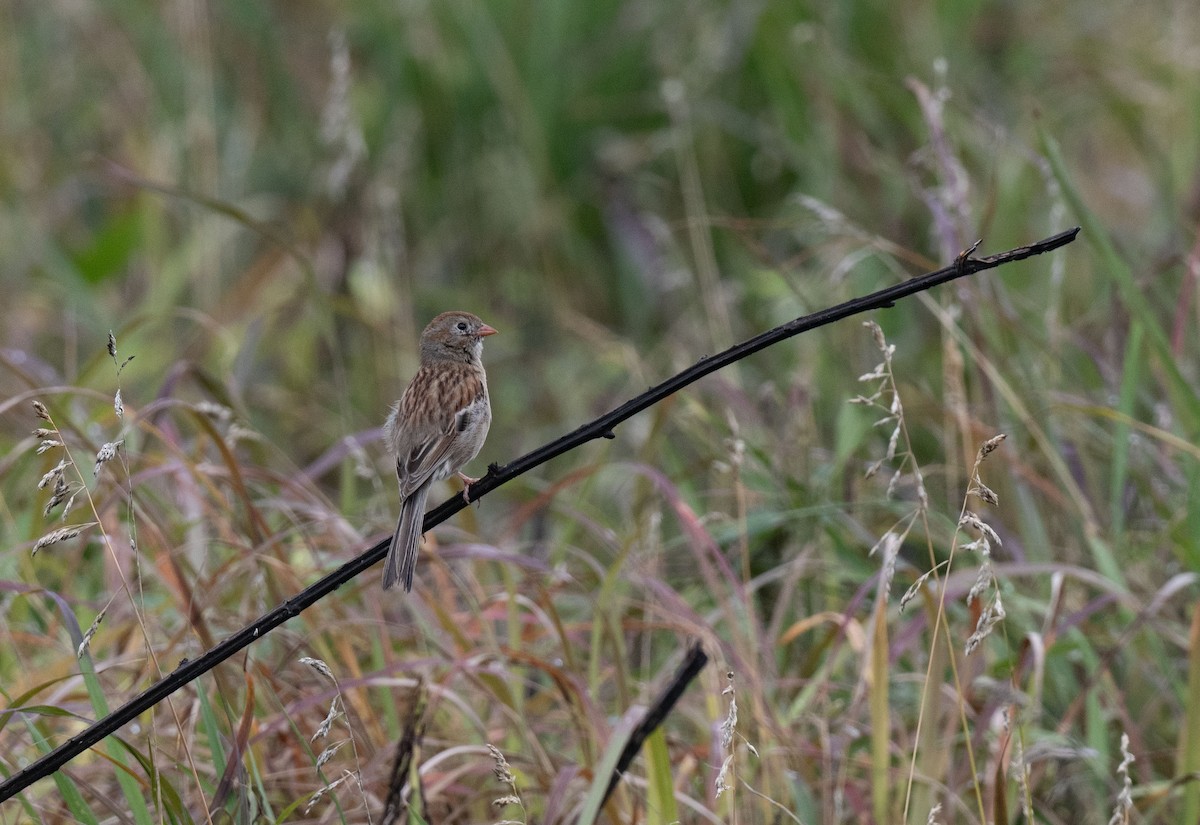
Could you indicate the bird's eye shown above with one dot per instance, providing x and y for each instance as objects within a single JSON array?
[{"x": 462, "y": 326}]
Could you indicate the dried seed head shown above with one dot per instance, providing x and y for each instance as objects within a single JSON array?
[
  {"x": 67, "y": 507},
  {"x": 504, "y": 776},
  {"x": 87, "y": 637},
  {"x": 112, "y": 344},
  {"x": 107, "y": 452},
  {"x": 1120, "y": 815},
  {"x": 722, "y": 784},
  {"x": 989, "y": 446},
  {"x": 983, "y": 492},
  {"x": 238, "y": 433},
  {"x": 729, "y": 724},
  {"x": 328, "y": 753},
  {"x": 213, "y": 410},
  {"x": 916, "y": 586},
  {"x": 54, "y": 473},
  {"x": 40, "y": 409},
  {"x": 500, "y": 766},
  {"x": 48, "y": 445},
  {"x": 989, "y": 617},
  {"x": 982, "y": 580},
  {"x": 60, "y": 493},
  {"x": 61, "y": 535},
  {"x": 316, "y": 797},
  {"x": 327, "y": 724},
  {"x": 877, "y": 333},
  {"x": 989, "y": 534},
  {"x": 319, "y": 666}
]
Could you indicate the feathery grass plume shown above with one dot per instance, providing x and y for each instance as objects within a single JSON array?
[
  {"x": 40, "y": 409},
  {"x": 1120, "y": 815},
  {"x": 933, "y": 812},
  {"x": 504, "y": 775},
  {"x": 62, "y": 534}
]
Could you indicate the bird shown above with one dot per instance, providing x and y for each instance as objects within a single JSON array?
[{"x": 438, "y": 425}]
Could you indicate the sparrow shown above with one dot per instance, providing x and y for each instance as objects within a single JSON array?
[{"x": 436, "y": 427}]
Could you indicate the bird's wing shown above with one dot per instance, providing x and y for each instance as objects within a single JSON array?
[
  {"x": 424, "y": 441},
  {"x": 423, "y": 460}
]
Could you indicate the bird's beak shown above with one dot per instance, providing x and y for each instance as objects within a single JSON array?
[{"x": 485, "y": 331}]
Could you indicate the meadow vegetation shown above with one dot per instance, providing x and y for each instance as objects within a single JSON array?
[{"x": 223, "y": 225}]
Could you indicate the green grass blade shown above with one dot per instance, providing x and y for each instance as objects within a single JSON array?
[
  {"x": 1187, "y": 403},
  {"x": 1189, "y": 734},
  {"x": 660, "y": 802},
  {"x": 134, "y": 799},
  {"x": 66, "y": 787},
  {"x": 604, "y": 770}
]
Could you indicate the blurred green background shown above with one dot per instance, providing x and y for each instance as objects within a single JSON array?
[{"x": 266, "y": 201}]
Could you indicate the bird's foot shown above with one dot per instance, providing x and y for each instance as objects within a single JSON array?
[{"x": 467, "y": 482}]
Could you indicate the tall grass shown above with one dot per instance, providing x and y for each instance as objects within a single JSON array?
[{"x": 264, "y": 203}]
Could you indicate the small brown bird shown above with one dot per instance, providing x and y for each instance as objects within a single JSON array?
[{"x": 436, "y": 427}]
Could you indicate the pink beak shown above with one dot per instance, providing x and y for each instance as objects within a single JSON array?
[{"x": 485, "y": 331}]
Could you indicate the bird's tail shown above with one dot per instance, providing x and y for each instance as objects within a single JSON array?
[{"x": 402, "y": 554}]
